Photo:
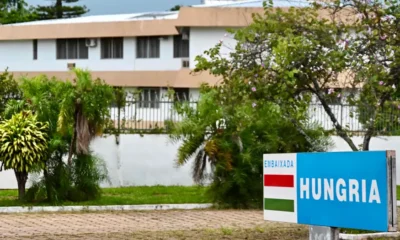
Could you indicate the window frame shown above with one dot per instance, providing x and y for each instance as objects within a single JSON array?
[
  {"x": 114, "y": 53},
  {"x": 35, "y": 49},
  {"x": 181, "y": 50},
  {"x": 151, "y": 103},
  {"x": 147, "y": 42},
  {"x": 179, "y": 92},
  {"x": 80, "y": 44}
]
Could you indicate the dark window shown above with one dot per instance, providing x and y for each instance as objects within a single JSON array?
[
  {"x": 35, "y": 49},
  {"x": 112, "y": 48},
  {"x": 181, "y": 94},
  {"x": 181, "y": 46},
  {"x": 148, "y": 47},
  {"x": 72, "y": 49},
  {"x": 149, "y": 97}
]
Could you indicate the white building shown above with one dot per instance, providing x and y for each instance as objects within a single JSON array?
[{"x": 150, "y": 51}]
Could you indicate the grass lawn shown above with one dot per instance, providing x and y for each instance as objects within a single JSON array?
[
  {"x": 398, "y": 192},
  {"x": 127, "y": 196}
]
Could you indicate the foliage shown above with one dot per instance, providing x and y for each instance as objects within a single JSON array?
[
  {"x": 8, "y": 90},
  {"x": 86, "y": 105},
  {"x": 60, "y": 10},
  {"x": 299, "y": 53},
  {"x": 230, "y": 135},
  {"x": 88, "y": 172},
  {"x": 16, "y": 11},
  {"x": 176, "y": 8},
  {"x": 23, "y": 146},
  {"x": 60, "y": 103}
]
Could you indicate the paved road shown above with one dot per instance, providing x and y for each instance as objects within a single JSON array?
[{"x": 109, "y": 225}]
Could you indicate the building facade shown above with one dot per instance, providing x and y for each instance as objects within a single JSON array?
[{"x": 149, "y": 51}]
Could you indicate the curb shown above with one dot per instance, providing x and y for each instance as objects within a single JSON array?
[
  {"x": 368, "y": 236},
  {"x": 104, "y": 208}
]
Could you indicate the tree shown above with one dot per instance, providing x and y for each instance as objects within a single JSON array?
[
  {"x": 60, "y": 10},
  {"x": 56, "y": 102},
  {"x": 16, "y": 11},
  {"x": 302, "y": 53},
  {"x": 231, "y": 128},
  {"x": 8, "y": 90},
  {"x": 42, "y": 95},
  {"x": 23, "y": 146},
  {"x": 176, "y": 8},
  {"x": 85, "y": 105}
]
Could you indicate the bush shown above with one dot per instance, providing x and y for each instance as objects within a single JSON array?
[
  {"x": 233, "y": 140},
  {"x": 77, "y": 183}
]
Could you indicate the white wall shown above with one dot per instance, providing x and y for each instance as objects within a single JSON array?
[
  {"x": 202, "y": 39},
  {"x": 149, "y": 160},
  {"x": 18, "y": 56}
]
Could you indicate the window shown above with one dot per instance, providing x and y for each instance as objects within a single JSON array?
[
  {"x": 148, "y": 47},
  {"x": 181, "y": 94},
  {"x": 35, "y": 49},
  {"x": 112, "y": 48},
  {"x": 149, "y": 98},
  {"x": 72, "y": 49},
  {"x": 181, "y": 46}
]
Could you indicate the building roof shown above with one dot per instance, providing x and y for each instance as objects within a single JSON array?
[
  {"x": 106, "y": 18},
  {"x": 222, "y": 15},
  {"x": 163, "y": 15}
]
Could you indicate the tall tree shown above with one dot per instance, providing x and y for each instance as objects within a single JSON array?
[
  {"x": 176, "y": 8},
  {"x": 307, "y": 52},
  {"x": 59, "y": 9},
  {"x": 16, "y": 11}
]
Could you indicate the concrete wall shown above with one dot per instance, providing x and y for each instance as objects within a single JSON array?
[
  {"x": 18, "y": 55},
  {"x": 149, "y": 160},
  {"x": 202, "y": 39}
]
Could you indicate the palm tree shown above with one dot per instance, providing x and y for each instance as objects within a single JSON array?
[
  {"x": 86, "y": 105},
  {"x": 198, "y": 134}
]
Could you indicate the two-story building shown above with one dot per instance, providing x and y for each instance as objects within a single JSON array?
[{"x": 150, "y": 51}]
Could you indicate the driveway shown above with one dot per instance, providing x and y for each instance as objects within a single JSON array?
[{"x": 204, "y": 224}]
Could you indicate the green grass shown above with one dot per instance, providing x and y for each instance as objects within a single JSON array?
[
  {"x": 398, "y": 192},
  {"x": 127, "y": 196}
]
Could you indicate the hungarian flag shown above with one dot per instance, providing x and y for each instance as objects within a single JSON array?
[{"x": 280, "y": 187}]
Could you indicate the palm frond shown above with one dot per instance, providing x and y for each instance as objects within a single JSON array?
[{"x": 14, "y": 107}]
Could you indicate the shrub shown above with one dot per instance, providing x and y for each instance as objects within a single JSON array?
[{"x": 24, "y": 144}]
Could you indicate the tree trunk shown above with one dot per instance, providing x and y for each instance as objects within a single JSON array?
[
  {"x": 59, "y": 9},
  {"x": 48, "y": 184},
  {"x": 72, "y": 147},
  {"x": 339, "y": 129},
  {"x": 22, "y": 177}
]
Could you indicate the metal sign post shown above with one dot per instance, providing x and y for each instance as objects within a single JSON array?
[
  {"x": 324, "y": 233},
  {"x": 332, "y": 190}
]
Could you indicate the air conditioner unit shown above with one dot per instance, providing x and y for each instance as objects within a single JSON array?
[
  {"x": 185, "y": 63},
  {"x": 185, "y": 36},
  {"x": 71, "y": 66},
  {"x": 91, "y": 42}
]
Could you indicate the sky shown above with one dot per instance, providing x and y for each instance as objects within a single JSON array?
[{"x": 98, "y": 7}]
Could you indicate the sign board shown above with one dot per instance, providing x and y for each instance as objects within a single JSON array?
[{"x": 334, "y": 189}]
